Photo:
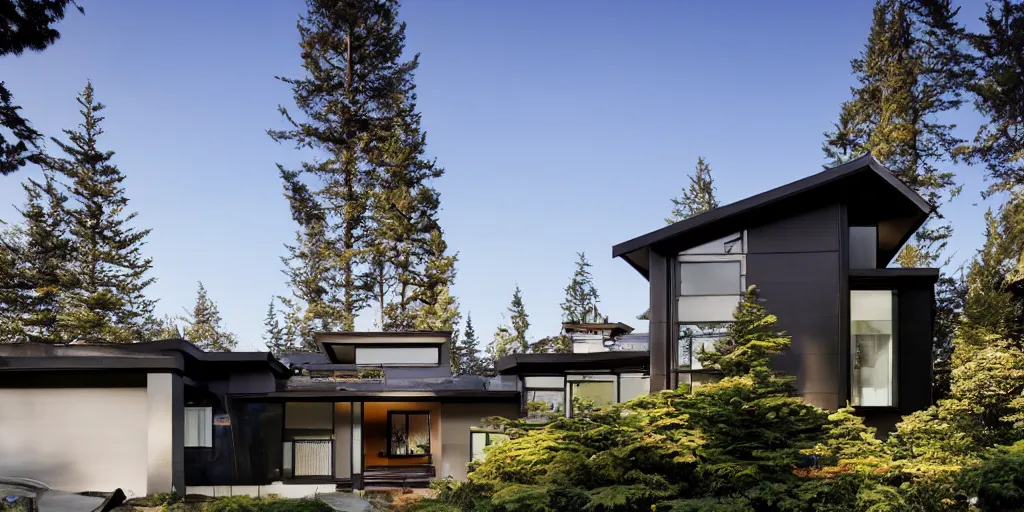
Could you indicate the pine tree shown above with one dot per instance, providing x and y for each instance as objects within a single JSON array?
[
  {"x": 698, "y": 197},
  {"x": 28, "y": 25},
  {"x": 998, "y": 90},
  {"x": 909, "y": 72},
  {"x": 108, "y": 304},
  {"x": 471, "y": 360},
  {"x": 749, "y": 342},
  {"x": 437, "y": 309},
  {"x": 203, "y": 325},
  {"x": 581, "y": 297},
  {"x": 45, "y": 277},
  {"x": 275, "y": 335},
  {"x": 167, "y": 328},
  {"x": 511, "y": 338},
  {"x": 370, "y": 223}
]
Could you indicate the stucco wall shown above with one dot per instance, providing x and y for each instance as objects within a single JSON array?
[
  {"x": 82, "y": 439},
  {"x": 456, "y": 419}
]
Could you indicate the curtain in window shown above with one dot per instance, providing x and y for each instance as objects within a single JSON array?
[
  {"x": 313, "y": 458},
  {"x": 198, "y": 427}
]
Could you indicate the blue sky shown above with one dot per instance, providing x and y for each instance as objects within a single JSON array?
[{"x": 563, "y": 127}]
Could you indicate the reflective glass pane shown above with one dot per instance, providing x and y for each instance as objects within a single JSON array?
[
  {"x": 863, "y": 246},
  {"x": 710, "y": 278},
  {"x": 694, "y": 337},
  {"x": 588, "y": 396},
  {"x": 871, "y": 347},
  {"x": 544, "y": 405},
  {"x": 399, "y": 435},
  {"x": 419, "y": 434}
]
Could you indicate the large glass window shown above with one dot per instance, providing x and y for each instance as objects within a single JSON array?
[
  {"x": 710, "y": 278},
  {"x": 410, "y": 433},
  {"x": 693, "y": 337},
  {"x": 545, "y": 404},
  {"x": 863, "y": 246},
  {"x": 478, "y": 440},
  {"x": 590, "y": 395},
  {"x": 872, "y": 347}
]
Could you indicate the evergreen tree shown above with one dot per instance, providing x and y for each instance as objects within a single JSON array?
[
  {"x": 275, "y": 335},
  {"x": 203, "y": 325},
  {"x": 581, "y": 297},
  {"x": 909, "y": 73},
  {"x": 108, "y": 304},
  {"x": 437, "y": 309},
  {"x": 558, "y": 344},
  {"x": 167, "y": 328},
  {"x": 471, "y": 360},
  {"x": 698, "y": 197},
  {"x": 40, "y": 277},
  {"x": 366, "y": 211},
  {"x": 27, "y": 25},
  {"x": 998, "y": 90},
  {"x": 511, "y": 338}
]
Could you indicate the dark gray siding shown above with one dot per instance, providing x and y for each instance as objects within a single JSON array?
[
  {"x": 795, "y": 263},
  {"x": 914, "y": 317}
]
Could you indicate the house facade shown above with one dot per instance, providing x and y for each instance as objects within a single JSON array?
[
  {"x": 383, "y": 409},
  {"x": 818, "y": 250},
  {"x": 370, "y": 409}
]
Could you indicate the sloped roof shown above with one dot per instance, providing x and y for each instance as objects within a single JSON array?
[{"x": 860, "y": 181}]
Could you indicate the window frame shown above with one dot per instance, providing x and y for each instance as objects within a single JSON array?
[
  {"x": 487, "y": 436},
  {"x": 895, "y": 350},
  {"x": 207, "y": 433},
  {"x": 390, "y": 452},
  {"x": 582, "y": 378}
]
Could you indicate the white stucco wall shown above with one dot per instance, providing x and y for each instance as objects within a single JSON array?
[
  {"x": 456, "y": 419},
  {"x": 76, "y": 439}
]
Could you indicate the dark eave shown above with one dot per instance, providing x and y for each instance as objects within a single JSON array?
[
  {"x": 521, "y": 364},
  {"x": 388, "y": 396},
  {"x": 893, "y": 277},
  {"x": 91, "y": 363},
  {"x": 634, "y": 251}
]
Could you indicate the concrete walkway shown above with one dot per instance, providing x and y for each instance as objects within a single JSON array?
[{"x": 345, "y": 502}]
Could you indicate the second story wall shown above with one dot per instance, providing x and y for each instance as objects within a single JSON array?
[{"x": 795, "y": 263}]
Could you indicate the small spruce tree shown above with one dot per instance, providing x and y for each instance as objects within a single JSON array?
[
  {"x": 581, "y": 297},
  {"x": 698, "y": 197},
  {"x": 203, "y": 325}
]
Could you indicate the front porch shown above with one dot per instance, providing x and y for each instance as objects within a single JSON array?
[{"x": 360, "y": 444}]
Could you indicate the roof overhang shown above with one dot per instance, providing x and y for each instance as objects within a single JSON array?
[
  {"x": 557, "y": 364},
  {"x": 872, "y": 192},
  {"x": 327, "y": 342}
]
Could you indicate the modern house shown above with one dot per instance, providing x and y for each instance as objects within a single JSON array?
[
  {"x": 383, "y": 409},
  {"x": 368, "y": 409},
  {"x": 818, "y": 250}
]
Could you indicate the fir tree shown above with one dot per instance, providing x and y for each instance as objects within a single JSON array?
[
  {"x": 511, "y": 338},
  {"x": 108, "y": 304},
  {"x": 275, "y": 335},
  {"x": 698, "y": 197},
  {"x": 749, "y": 342},
  {"x": 471, "y": 360},
  {"x": 909, "y": 73},
  {"x": 437, "y": 309},
  {"x": 557, "y": 344},
  {"x": 581, "y": 297},
  {"x": 40, "y": 277},
  {"x": 27, "y": 25},
  {"x": 998, "y": 90},
  {"x": 203, "y": 325},
  {"x": 167, "y": 328}
]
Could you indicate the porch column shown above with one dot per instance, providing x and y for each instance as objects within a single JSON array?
[
  {"x": 165, "y": 456},
  {"x": 660, "y": 325},
  {"x": 357, "y": 445}
]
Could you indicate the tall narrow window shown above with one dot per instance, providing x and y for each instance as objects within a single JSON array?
[
  {"x": 872, "y": 347},
  {"x": 198, "y": 427},
  {"x": 863, "y": 246}
]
